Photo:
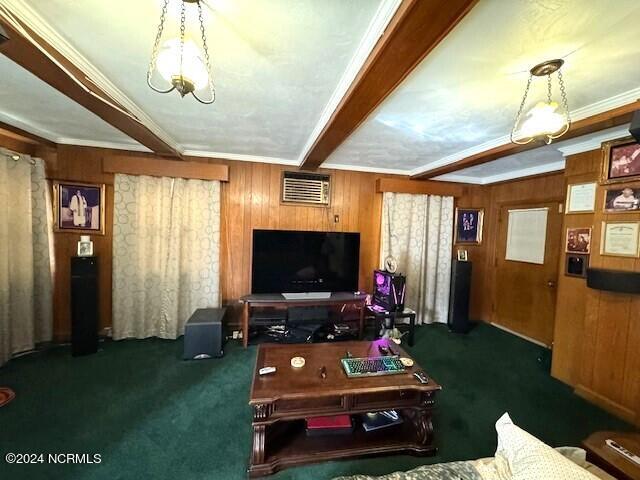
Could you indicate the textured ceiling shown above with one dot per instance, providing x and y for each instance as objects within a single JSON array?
[
  {"x": 29, "y": 103},
  {"x": 276, "y": 64},
  {"x": 466, "y": 92}
]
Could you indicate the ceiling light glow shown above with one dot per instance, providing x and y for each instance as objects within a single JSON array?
[
  {"x": 546, "y": 120},
  {"x": 184, "y": 67}
]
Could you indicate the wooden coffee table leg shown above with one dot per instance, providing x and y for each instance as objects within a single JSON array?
[{"x": 257, "y": 452}]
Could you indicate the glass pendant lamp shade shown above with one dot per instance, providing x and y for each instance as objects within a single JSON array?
[
  {"x": 547, "y": 120},
  {"x": 183, "y": 66},
  {"x": 194, "y": 69}
]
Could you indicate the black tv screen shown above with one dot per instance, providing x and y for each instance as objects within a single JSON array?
[{"x": 291, "y": 261}]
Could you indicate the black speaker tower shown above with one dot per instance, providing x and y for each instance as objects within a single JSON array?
[
  {"x": 84, "y": 305},
  {"x": 459, "y": 297}
]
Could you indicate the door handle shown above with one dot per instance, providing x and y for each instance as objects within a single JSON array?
[{"x": 551, "y": 284}]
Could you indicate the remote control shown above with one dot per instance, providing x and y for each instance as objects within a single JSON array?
[
  {"x": 421, "y": 376},
  {"x": 266, "y": 370},
  {"x": 623, "y": 451}
]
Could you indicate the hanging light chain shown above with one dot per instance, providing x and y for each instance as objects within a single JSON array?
[
  {"x": 563, "y": 94},
  {"x": 156, "y": 44},
  {"x": 183, "y": 20},
  {"x": 519, "y": 114},
  {"x": 182, "y": 84},
  {"x": 206, "y": 54}
]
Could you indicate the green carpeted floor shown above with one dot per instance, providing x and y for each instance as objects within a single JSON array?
[{"x": 151, "y": 415}]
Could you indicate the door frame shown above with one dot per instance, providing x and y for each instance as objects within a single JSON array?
[{"x": 493, "y": 260}]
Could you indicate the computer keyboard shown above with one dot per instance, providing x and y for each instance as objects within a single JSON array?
[{"x": 372, "y": 366}]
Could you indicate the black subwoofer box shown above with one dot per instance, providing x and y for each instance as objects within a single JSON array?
[{"x": 203, "y": 334}]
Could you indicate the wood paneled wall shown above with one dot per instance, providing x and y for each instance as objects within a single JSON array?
[
  {"x": 250, "y": 199},
  {"x": 597, "y": 333},
  {"x": 491, "y": 198}
]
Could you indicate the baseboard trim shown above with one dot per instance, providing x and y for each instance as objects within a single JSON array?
[
  {"x": 606, "y": 403},
  {"x": 524, "y": 337}
]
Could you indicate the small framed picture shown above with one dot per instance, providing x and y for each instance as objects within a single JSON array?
[
  {"x": 622, "y": 199},
  {"x": 620, "y": 239},
  {"x": 621, "y": 160},
  {"x": 576, "y": 265},
  {"x": 78, "y": 207},
  {"x": 85, "y": 248},
  {"x": 468, "y": 225},
  {"x": 581, "y": 198},
  {"x": 578, "y": 240},
  {"x": 462, "y": 256}
]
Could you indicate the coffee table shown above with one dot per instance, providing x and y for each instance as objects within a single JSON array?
[
  {"x": 282, "y": 400},
  {"x": 600, "y": 454}
]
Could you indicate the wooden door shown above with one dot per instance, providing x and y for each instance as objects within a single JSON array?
[{"x": 525, "y": 294}]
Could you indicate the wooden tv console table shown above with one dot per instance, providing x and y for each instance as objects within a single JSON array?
[
  {"x": 282, "y": 400},
  {"x": 278, "y": 301}
]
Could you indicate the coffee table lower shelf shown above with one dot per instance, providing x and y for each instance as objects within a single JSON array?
[{"x": 286, "y": 444}]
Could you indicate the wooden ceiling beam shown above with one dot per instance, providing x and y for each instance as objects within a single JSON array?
[
  {"x": 417, "y": 27},
  {"x": 53, "y": 68},
  {"x": 595, "y": 123}
]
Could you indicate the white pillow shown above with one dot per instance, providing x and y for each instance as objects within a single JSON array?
[{"x": 530, "y": 459}]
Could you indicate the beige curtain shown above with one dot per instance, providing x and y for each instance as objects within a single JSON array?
[
  {"x": 417, "y": 230},
  {"x": 166, "y": 253},
  {"x": 25, "y": 255}
]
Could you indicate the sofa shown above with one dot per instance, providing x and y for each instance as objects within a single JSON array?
[{"x": 519, "y": 456}]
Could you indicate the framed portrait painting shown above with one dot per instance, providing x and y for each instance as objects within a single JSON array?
[
  {"x": 78, "y": 207},
  {"x": 621, "y": 160},
  {"x": 468, "y": 225},
  {"x": 578, "y": 240},
  {"x": 622, "y": 199}
]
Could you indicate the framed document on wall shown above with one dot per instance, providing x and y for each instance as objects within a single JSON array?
[
  {"x": 581, "y": 198},
  {"x": 620, "y": 239}
]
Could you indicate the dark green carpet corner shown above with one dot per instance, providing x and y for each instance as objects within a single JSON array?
[{"x": 151, "y": 415}]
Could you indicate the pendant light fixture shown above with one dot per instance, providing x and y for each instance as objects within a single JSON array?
[
  {"x": 547, "y": 120},
  {"x": 179, "y": 61}
]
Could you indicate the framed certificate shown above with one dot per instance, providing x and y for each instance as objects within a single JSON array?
[
  {"x": 581, "y": 198},
  {"x": 620, "y": 239}
]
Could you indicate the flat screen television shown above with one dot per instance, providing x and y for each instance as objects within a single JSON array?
[{"x": 293, "y": 261}]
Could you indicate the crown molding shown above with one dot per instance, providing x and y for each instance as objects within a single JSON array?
[
  {"x": 596, "y": 108},
  {"x": 28, "y": 127},
  {"x": 239, "y": 157},
  {"x": 526, "y": 172},
  {"x": 454, "y": 177},
  {"x": 40, "y": 27},
  {"x": 594, "y": 142},
  {"x": 365, "y": 169},
  {"x": 376, "y": 29},
  {"x": 502, "y": 177},
  {"x": 81, "y": 142},
  {"x": 455, "y": 157}
]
